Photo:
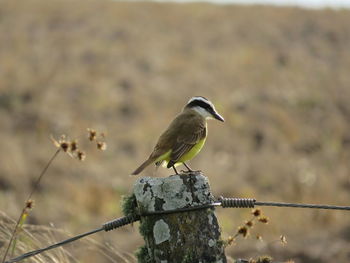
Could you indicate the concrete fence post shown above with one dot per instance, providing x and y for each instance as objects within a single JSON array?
[{"x": 184, "y": 237}]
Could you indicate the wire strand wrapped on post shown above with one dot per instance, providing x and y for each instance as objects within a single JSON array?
[
  {"x": 237, "y": 202},
  {"x": 119, "y": 222}
]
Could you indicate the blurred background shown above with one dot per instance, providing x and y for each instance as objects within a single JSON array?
[{"x": 279, "y": 76}]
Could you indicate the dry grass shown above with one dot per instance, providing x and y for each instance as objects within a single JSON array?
[
  {"x": 279, "y": 76},
  {"x": 35, "y": 236}
]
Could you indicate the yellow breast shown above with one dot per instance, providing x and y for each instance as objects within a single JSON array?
[
  {"x": 193, "y": 152},
  {"x": 186, "y": 157}
]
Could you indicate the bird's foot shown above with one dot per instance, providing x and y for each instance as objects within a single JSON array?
[{"x": 190, "y": 171}]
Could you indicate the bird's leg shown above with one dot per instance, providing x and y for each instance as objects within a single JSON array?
[
  {"x": 175, "y": 169},
  {"x": 189, "y": 170}
]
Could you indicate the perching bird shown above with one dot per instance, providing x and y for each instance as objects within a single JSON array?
[{"x": 184, "y": 137}]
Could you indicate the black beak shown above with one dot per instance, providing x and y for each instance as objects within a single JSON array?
[{"x": 218, "y": 116}]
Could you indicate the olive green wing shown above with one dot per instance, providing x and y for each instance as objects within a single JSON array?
[{"x": 188, "y": 137}]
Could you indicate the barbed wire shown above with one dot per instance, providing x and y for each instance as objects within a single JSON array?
[{"x": 221, "y": 202}]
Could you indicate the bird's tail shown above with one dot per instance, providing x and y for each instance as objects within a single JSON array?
[{"x": 143, "y": 166}]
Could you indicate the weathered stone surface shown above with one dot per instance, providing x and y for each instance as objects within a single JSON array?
[{"x": 181, "y": 237}]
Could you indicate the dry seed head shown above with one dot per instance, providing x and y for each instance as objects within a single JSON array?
[
  {"x": 259, "y": 237},
  {"x": 283, "y": 240},
  {"x": 256, "y": 212},
  {"x": 263, "y": 219},
  {"x": 61, "y": 143},
  {"x": 29, "y": 204},
  {"x": 92, "y": 134},
  {"x": 74, "y": 145},
  {"x": 101, "y": 146},
  {"x": 81, "y": 155},
  {"x": 65, "y": 146},
  {"x": 249, "y": 223},
  {"x": 243, "y": 230},
  {"x": 252, "y": 260}
]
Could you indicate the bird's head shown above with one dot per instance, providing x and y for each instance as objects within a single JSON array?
[{"x": 204, "y": 107}]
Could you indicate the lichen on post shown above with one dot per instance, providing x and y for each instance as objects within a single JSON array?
[{"x": 192, "y": 236}]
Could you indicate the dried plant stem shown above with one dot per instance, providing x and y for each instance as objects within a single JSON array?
[
  {"x": 34, "y": 188},
  {"x": 42, "y": 173}
]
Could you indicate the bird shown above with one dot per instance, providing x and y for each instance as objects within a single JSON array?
[{"x": 184, "y": 137}]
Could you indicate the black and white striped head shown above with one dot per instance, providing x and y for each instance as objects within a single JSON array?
[{"x": 204, "y": 107}]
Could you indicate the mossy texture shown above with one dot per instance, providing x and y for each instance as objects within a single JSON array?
[
  {"x": 143, "y": 256},
  {"x": 129, "y": 204}
]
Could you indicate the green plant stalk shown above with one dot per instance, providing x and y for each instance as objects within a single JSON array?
[{"x": 20, "y": 225}]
